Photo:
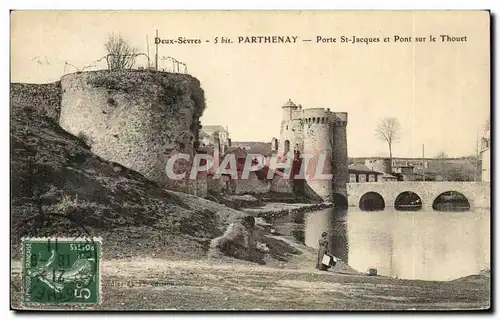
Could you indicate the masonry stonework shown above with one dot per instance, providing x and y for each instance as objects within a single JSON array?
[
  {"x": 317, "y": 131},
  {"x": 42, "y": 99},
  {"x": 136, "y": 118},
  {"x": 340, "y": 159},
  {"x": 477, "y": 193}
]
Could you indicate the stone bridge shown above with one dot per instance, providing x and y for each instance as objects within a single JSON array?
[{"x": 477, "y": 193}]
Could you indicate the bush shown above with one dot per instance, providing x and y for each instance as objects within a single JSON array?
[
  {"x": 64, "y": 206},
  {"x": 121, "y": 54}
]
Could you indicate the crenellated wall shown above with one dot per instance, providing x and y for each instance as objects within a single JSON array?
[
  {"x": 318, "y": 140},
  {"x": 318, "y": 131},
  {"x": 339, "y": 154}
]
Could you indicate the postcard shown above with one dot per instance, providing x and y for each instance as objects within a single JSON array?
[{"x": 250, "y": 160}]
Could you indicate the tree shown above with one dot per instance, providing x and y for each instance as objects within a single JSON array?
[
  {"x": 442, "y": 155},
  {"x": 121, "y": 54},
  {"x": 388, "y": 130},
  {"x": 459, "y": 173}
]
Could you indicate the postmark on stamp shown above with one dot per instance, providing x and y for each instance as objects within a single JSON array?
[{"x": 61, "y": 271}]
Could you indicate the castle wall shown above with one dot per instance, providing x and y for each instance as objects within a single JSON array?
[
  {"x": 215, "y": 185},
  {"x": 339, "y": 154},
  {"x": 136, "y": 118},
  {"x": 286, "y": 114},
  {"x": 380, "y": 165},
  {"x": 42, "y": 99},
  {"x": 318, "y": 140},
  {"x": 291, "y": 131},
  {"x": 280, "y": 185},
  {"x": 316, "y": 132},
  {"x": 252, "y": 185},
  {"x": 299, "y": 135}
]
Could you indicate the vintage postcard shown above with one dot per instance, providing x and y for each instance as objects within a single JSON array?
[{"x": 250, "y": 160}]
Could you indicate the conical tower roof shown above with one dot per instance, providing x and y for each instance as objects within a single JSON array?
[{"x": 289, "y": 104}]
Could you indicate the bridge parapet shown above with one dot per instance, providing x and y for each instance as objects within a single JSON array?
[{"x": 477, "y": 193}]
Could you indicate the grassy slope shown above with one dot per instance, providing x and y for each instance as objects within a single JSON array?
[{"x": 59, "y": 188}]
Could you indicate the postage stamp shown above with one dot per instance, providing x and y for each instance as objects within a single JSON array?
[{"x": 61, "y": 271}]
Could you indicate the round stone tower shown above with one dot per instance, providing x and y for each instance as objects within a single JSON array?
[
  {"x": 136, "y": 118},
  {"x": 319, "y": 144},
  {"x": 340, "y": 160}
]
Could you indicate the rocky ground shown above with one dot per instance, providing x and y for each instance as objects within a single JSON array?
[
  {"x": 228, "y": 284},
  {"x": 60, "y": 188},
  {"x": 168, "y": 250}
]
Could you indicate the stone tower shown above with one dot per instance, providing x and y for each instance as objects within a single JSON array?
[
  {"x": 318, "y": 131},
  {"x": 274, "y": 145},
  {"x": 340, "y": 159},
  {"x": 138, "y": 119},
  {"x": 318, "y": 140},
  {"x": 291, "y": 129}
]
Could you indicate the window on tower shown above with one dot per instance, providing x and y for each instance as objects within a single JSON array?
[{"x": 287, "y": 146}]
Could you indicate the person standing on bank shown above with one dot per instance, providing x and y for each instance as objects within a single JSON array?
[{"x": 323, "y": 249}]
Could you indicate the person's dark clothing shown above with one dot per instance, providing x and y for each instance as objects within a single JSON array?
[{"x": 323, "y": 249}]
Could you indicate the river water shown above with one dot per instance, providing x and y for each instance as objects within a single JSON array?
[{"x": 426, "y": 244}]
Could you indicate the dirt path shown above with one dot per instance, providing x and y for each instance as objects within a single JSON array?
[{"x": 146, "y": 283}]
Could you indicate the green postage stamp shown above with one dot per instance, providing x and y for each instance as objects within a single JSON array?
[{"x": 61, "y": 271}]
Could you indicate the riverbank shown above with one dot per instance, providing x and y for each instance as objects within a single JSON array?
[
  {"x": 275, "y": 210},
  {"x": 146, "y": 283}
]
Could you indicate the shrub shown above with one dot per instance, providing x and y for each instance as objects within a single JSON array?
[
  {"x": 121, "y": 54},
  {"x": 64, "y": 206}
]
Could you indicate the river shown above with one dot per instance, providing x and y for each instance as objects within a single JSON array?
[{"x": 426, "y": 244}]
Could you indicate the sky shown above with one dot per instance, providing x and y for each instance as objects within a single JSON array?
[{"x": 438, "y": 91}]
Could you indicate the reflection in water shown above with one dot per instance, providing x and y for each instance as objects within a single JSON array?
[
  {"x": 371, "y": 201},
  {"x": 333, "y": 222},
  {"x": 408, "y": 201},
  {"x": 428, "y": 245},
  {"x": 451, "y": 201}
]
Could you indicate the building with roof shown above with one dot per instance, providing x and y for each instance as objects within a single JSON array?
[
  {"x": 262, "y": 148},
  {"x": 424, "y": 169},
  {"x": 486, "y": 157},
  {"x": 208, "y": 132},
  {"x": 257, "y": 182},
  {"x": 360, "y": 173}
]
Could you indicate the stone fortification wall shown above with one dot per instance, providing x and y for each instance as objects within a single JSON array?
[
  {"x": 339, "y": 154},
  {"x": 318, "y": 139},
  {"x": 136, "y": 118},
  {"x": 42, "y": 99}
]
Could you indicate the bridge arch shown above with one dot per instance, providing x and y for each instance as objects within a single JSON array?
[
  {"x": 478, "y": 194},
  {"x": 451, "y": 201},
  {"x": 408, "y": 201},
  {"x": 371, "y": 201}
]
